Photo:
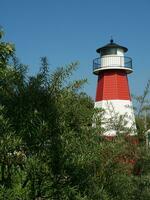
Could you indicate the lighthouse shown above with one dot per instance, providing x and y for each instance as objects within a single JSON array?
[{"x": 112, "y": 93}]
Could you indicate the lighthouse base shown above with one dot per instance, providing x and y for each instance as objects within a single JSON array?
[{"x": 118, "y": 117}]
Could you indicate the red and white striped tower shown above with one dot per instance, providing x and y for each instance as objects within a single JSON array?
[{"x": 113, "y": 93}]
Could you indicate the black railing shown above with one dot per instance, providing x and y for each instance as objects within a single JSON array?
[{"x": 112, "y": 61}]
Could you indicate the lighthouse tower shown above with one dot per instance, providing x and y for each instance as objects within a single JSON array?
[{"x": 113, "y": 94}]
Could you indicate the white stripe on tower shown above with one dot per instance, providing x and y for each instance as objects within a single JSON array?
[{"x": 111, "y": 119}]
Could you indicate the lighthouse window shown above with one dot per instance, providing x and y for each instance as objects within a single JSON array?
[{"x": 111, "y": 51}]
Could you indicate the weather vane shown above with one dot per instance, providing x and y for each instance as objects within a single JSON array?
[{"x": 111, "y": 39}]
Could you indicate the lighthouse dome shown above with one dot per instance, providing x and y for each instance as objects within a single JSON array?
[
  {"x": 112, "y": 57},
  {"x": 111, "y": 48}
]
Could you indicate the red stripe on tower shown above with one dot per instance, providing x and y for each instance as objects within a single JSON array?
[{"x": 112, "y": 84}]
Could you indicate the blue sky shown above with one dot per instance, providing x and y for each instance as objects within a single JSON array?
[{"x": 72, "y": 30}]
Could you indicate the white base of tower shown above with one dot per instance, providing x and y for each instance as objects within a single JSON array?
[{"x": 118, "y": 117}]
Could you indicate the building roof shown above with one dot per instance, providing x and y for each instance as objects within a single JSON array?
[{"x": 111, "y": 45}]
